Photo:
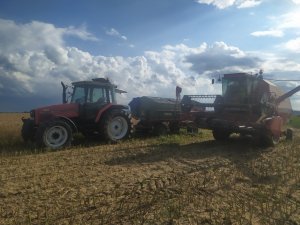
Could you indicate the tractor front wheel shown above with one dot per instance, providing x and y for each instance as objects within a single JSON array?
[
  {"x": 54, "y": 135},
  {"x": 116, "y": 126}
]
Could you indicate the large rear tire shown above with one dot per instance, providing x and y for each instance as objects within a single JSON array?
[
  {"x": 54, "y": 135},
  {"x": 116, "y": 126}
]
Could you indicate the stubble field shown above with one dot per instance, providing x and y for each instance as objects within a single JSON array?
[{"x": 178, "y": 179}]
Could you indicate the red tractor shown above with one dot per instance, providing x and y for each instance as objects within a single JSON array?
[{"x": 92, "y": 110}]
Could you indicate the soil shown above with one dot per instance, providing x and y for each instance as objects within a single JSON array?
[{"x": 154, "y": 181}]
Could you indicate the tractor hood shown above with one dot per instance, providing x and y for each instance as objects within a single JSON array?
[{"x": 70, "y": 110}]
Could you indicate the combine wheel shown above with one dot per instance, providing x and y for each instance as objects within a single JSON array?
[
  {"x": 116, "y": 126},
  {"x": 221, "y": 135},
  {"x": 54, "y": 134}
]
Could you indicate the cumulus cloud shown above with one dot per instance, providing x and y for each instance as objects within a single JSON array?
[
  {"x": 221, "y": 4},
  {"x": 296, "y": 1},
  {"x": 288, "y": 20},
  {"x": 293, "y": 45},
  {"x": 282, "y": 23},
  {"x": 113, "y": 32},
  {"x": 221, "y": 57},
  {"x": 272, "y": 33},
  {"x": 34, "y": 58}
]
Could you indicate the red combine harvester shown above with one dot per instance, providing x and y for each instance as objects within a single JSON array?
[
  {"x": 249, "y": 105},
  {"x": 92, "y": 110}
]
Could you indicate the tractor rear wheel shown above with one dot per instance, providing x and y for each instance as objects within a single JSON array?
[
  {"x": 220, "y": 134},
  {"x": 54, "y": 135},
  {"x": 116, "y": 126}
]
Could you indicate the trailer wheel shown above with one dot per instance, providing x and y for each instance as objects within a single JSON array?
[
  {"x": 174, "y": 128},
  {"x": 160, "y": 129},
  {"x": 116, "y": 126},
  {"x": 289, "y": 134},
  {"x": 272, "y": 140},
  {"x": 221, "y": 135},
  {"x": 54, "y": 135},
  {"x": 267, "y": 140}
]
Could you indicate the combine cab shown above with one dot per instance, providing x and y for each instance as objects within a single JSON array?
[
  {"x": 92, "y": 110},
  {"x": 249, "y": 105}
]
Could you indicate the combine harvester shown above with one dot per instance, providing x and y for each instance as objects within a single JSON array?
[{"x": 249, "y": 105}]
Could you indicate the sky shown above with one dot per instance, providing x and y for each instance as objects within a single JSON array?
[{"x": 146, "y": 47}]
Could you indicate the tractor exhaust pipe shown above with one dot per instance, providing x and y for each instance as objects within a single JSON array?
[
  {"x": 64, "y": 94},
  {"x": 287, "y": 94}
]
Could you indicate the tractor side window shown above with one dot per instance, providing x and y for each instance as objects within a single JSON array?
[
  {"x": 78, "y": 95},
  {"x": 99, "y": 95}
]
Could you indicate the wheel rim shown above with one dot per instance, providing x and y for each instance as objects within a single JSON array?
[
  {"x": 117, "y": 128},
  {"x": 275, "y": 139},
  {"x": 56, "y": 136}
]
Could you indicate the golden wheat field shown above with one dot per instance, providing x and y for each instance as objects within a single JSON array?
[{"x": 179, "y": 179}]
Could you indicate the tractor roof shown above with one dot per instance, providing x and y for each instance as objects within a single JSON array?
[
  {"x": 236, "y": 75},
  {"x": 95, "y": 81},
  {"x": 92, "y": 83},
  {"x": 100, "y": 82}
]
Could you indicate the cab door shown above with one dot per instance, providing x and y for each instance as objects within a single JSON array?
[{"x": 97, "y": 98}]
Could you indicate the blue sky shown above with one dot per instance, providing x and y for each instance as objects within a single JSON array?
[{"x": 147, "y": 47}]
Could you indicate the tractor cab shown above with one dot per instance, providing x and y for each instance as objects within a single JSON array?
[
  {"x": 92, "y": 96},
  {"x": 93, "y": 92}
]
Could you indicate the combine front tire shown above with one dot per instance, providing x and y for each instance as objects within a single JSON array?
[
  {"x": 54, "y": 135},
  {"x": 116, "y": 126}
]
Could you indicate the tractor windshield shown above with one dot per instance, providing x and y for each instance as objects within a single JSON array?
[
  {"x": 92, "y": 94},
  {"x": 78, "y": 95}
]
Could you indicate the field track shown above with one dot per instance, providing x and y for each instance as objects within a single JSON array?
[{"x": 169, "y": 180}]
